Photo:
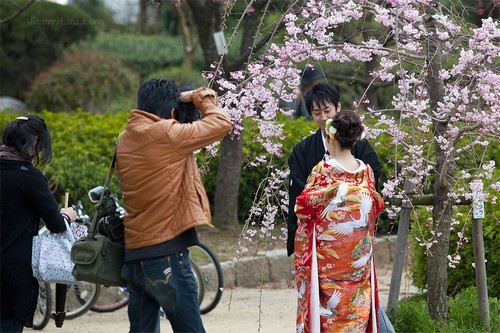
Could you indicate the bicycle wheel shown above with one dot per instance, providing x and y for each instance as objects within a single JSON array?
[
  {"x": 80, "y": 298},
  {"x": 43, "y": 306},
  {"x": 111, "y": 299},
  {"x": 211, "y": 271}
]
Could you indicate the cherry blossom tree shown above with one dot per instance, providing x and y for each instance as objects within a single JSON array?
[{"x": 446, "y": 109}]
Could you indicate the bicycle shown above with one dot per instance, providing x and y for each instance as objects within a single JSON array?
[
  {"x": 84, "y": 296},
  {"x": 208, "y": 273},
  {"x": 43, "y": 306},
  {"x": 211, "y": 275},
  {"x": 80, "y": 296}
]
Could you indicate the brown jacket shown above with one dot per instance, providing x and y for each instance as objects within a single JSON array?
[{"x": 159, "y": 177}]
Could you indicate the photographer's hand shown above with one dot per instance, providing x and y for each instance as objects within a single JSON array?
[{"x": 186, "y": 96}]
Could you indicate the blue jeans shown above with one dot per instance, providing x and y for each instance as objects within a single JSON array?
[
  {"x": 11, "y": 325},
  {"x": 168, "y": 282}
]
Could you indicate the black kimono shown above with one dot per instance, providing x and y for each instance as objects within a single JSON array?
[{"x": 305, "y": 155}]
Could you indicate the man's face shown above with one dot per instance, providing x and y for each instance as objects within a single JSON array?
[{"x": 321, "y": 113}]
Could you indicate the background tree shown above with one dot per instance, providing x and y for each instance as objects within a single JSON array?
[
  {"x": 446, "y": 102},
  {"x": 34, "y": 40},
  {"x": 211, "y": 16}
]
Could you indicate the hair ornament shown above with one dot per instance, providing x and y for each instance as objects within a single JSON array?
[
  {"x": 330, "y": 130},
  {"x": 362, "y": 136},
  {"x": 22, "y": 118}
]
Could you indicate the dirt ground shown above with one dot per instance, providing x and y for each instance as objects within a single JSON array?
[
  {"x": 267, "y": 309},
  {"x": 270, "y": 309}
]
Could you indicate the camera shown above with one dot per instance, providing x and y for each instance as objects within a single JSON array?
[
  {"x": 110, "y": 214},
  {"x": 187, "y": 113}
]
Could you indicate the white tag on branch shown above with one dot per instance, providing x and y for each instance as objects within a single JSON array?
[
  {"x": 477, "y": 199},
  {"x": 220, "y": 42}
]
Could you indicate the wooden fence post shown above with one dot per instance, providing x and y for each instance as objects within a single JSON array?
[
  {"x": 400, "y": 255},
  {"x": 478, "y": 245}
]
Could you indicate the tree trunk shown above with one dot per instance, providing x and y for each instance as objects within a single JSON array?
[
  {"x": 208, "y": 16},
  {"x": 143, "y": 17},
  {"x": 228, "y": 184},
  {"x": 187, "y": 38},
  {"x": 442, "y": 210}
]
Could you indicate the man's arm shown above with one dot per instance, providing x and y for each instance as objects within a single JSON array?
[{"x": 198, "y": 134}]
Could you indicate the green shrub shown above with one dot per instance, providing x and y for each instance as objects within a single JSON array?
[
  {"x": 181, "y": 76},
  {"x": 412, "y": 316},
  {"x": 35, "y": 39},
  {"x": 464, "y": 313},
  {"x": 145, "y": 53},
  {"x": 89, "y": 81},
  {"x": 463, "y": 274},
  {"x": 251, "y": 176}
]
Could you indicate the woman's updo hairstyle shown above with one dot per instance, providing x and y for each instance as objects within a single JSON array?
[{"x": 349, "y": 128}]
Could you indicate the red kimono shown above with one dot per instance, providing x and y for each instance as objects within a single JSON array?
[{"x": 337, "y": 213}]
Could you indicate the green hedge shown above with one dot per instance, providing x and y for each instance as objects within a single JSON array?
[
  {"x": 83, "y": 144},
  {"x": 145, "y": 53},
  {"x": 181, "y": 76},
  {"x": 82, "y": 147},
  {"x": 86, "y": 80}
]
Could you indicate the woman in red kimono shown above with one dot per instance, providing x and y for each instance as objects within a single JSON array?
[{"x": 337, "y": 212}]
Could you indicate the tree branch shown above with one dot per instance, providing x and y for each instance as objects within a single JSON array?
[
  {"x": 235, "y": 65},
  {"x": 19, "y": 11}
]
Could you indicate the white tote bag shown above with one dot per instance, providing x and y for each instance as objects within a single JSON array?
[{"x": 50, "y": 258}]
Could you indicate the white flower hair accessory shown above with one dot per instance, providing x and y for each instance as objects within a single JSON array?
[
  {"x": 330, "y": 130},
  {"x": 362, "y": 136}
]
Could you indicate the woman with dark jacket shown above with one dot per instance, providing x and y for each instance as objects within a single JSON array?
[{"x": 25, "y": 198}]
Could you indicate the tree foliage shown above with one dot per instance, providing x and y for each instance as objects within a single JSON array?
[{"x": 35, "y": 39}]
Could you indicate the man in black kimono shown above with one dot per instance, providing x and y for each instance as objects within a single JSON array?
[{"x": 322, "y": 102}]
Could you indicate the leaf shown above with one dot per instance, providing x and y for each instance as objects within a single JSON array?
[
  {"x": 330, "y": 285},
  {"x": 353, "y": 198},
  {"x": 332, "y": 253},
  {"x": 333, "y": 215},
  {"x": 326, "y": 237}
]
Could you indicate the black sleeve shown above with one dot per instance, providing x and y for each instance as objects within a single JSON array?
[
  {"x": 46, "y": 204},
  {"x": 364, "y": 151},
  {"x": 298, "y": 176}
]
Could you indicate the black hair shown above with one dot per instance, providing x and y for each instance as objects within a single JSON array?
[
  {"x": 349, "y": 128},
  {"x": 158, "y": 96},
  {"x": 321, "y": 93},
  {"x": 23, "y": 132}
]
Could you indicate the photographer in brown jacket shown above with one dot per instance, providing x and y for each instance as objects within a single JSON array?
[{"x": 165, "y": 199}]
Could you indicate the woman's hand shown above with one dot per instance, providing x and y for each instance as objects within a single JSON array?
[{"x": 70, "y": 212}]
